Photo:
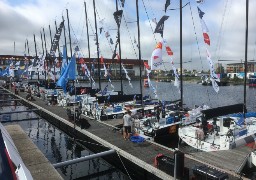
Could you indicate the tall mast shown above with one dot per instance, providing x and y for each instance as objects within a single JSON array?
[
  {"x": 69, "y": 35},
  {"x": 50, "y": 33},
  {"x": 58, "y": 52},
  {"x": 42, "y": 42},
  {"x": 25, "y": 47},
  {"x": 65, "y": 39},
  {"x": 119, "y": 47},
  {"x": 138, "y": 26},
  {"x": 14, "y": 47},
  {"x": 181, "y": 81},
  {"x": 246, "y": 49},
  {"x": 28, "y": 47},
  {"x": 36, "y": 57},
  {"x": 46, "y": 56},
  {"x": 97, "y": 43},
  {"x": 88, "y": 41}
]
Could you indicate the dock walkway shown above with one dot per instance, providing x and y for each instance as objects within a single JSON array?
[
  {"x": 38, "y": 165},
  {"x": 141, "y": 154}
]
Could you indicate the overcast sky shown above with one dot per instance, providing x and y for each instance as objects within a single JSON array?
[{"x": 225, "y": 19}]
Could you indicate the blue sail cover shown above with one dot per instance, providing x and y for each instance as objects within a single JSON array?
[
  {"x": 64, "y": 60},
  {"x": 72, "y": 68},
  {"x": 68, "y": 74}
]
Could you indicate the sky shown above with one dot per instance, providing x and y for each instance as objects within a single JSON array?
[{"x": 225, "y": 19}]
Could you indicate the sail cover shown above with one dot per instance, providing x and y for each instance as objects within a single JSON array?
[
  {"x": 221, "y": 111},
  {"x": 56, "y": 39}
]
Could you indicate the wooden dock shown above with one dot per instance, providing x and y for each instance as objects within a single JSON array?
[{"x": 142, "y": 155}]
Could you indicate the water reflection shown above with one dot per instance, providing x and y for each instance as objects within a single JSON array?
[{"x": 58, "y": 147}]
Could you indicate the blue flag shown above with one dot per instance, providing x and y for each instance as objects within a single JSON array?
[
  {"x": 105, "y": 90},
  {"x": 72, "y": 68},
  {"x": 5, "y": 72}
]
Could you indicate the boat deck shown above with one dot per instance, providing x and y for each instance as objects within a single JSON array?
[{"x": 142, "y": 154}]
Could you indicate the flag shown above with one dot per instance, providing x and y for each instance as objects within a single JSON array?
[
  {"x": 122, "y": 1},
  {"x": 17, "y": 63},
  {"x": 111, "y": 41},
  {"x": 118, "y": 57},
  {"x": 118, "y": 17},
  {"x": 160, "y": 25},
  {"x": 101, "y": 60},
  {"x": 146, "y": 65},
  {"x": 200, "y": 13},
  {"x": 200, "y": 1},
  {"x": 72, "y": 68},
  {"x": 81, "y": 61},
  {"x": 154, "y": 21},
  {"x": 167, "y": 3},
  {"x": 105, "y": 90},
  {"x": 169, "y": 51},
  {"x": 204, "y": 27},
  {"x": 5, "y": 72},
  {"x": 206, "y": 38},
  {"x": 107, "y": 34},
  {"x": 108, "y": 98},
  {"x": 156, "y": 57}
]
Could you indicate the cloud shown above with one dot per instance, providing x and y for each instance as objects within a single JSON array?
[{"x": 225, "y": 20}]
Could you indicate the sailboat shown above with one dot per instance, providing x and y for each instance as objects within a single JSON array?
[{"x": 219, "y": 128}]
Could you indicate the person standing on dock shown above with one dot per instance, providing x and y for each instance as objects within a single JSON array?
[{"x": 127, "y": 124}]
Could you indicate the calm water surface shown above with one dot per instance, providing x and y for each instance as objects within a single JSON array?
[
  {"x": 193, "y": 93},
  {"x": 58, "y": 147}
]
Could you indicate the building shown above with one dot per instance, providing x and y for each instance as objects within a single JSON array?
[
  {"x": 237, "y": 69},
  {"x": 132, "y": 66}
]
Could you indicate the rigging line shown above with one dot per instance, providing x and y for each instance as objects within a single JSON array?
[
  {"x": 123, "y": 165},
  {"x": 179, "y": 8},
  {"x": 105, "y": 34},
  {"x": 151, "y": 9},
  {"x": 192, "y": 17},
  {"x": 149, "y": 21},
  {"x": 219, "y": 35},
  {"x": 127, "y": 28}
]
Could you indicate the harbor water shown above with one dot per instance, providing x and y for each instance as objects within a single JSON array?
[
  {"x": 59, "y": 147},
  {"x": 193, "y": 93}
]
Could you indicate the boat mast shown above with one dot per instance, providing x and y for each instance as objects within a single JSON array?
[
  {"x": 42, "y": 42},
  {"x": 46, "y": 55},
  {"x": 36, "y": 60},
  {"x": 69, "y": 35},
  {"x": 246, "y": 49},
  {"x": 97, "y": 43},
  {"x": 119, "y": 47},
  {"x": 28, "y": 47},
  {"x": 181, "y": 81},
  {"x": 65, "y": 38},
  {"x": 50, "y": 33},
  {"x": 58, "y": 53},
  {"x": 138, "y": 26},
  {"x": 88, "y": 41}
]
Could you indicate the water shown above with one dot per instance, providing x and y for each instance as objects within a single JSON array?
[
  {"x": 193, "y": 94},
  {"x": 58, "y": 147}
]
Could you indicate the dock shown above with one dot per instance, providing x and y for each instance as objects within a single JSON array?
[
  {"x": 134, "y": 157},
  {"x": 38, "y": 165}
]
